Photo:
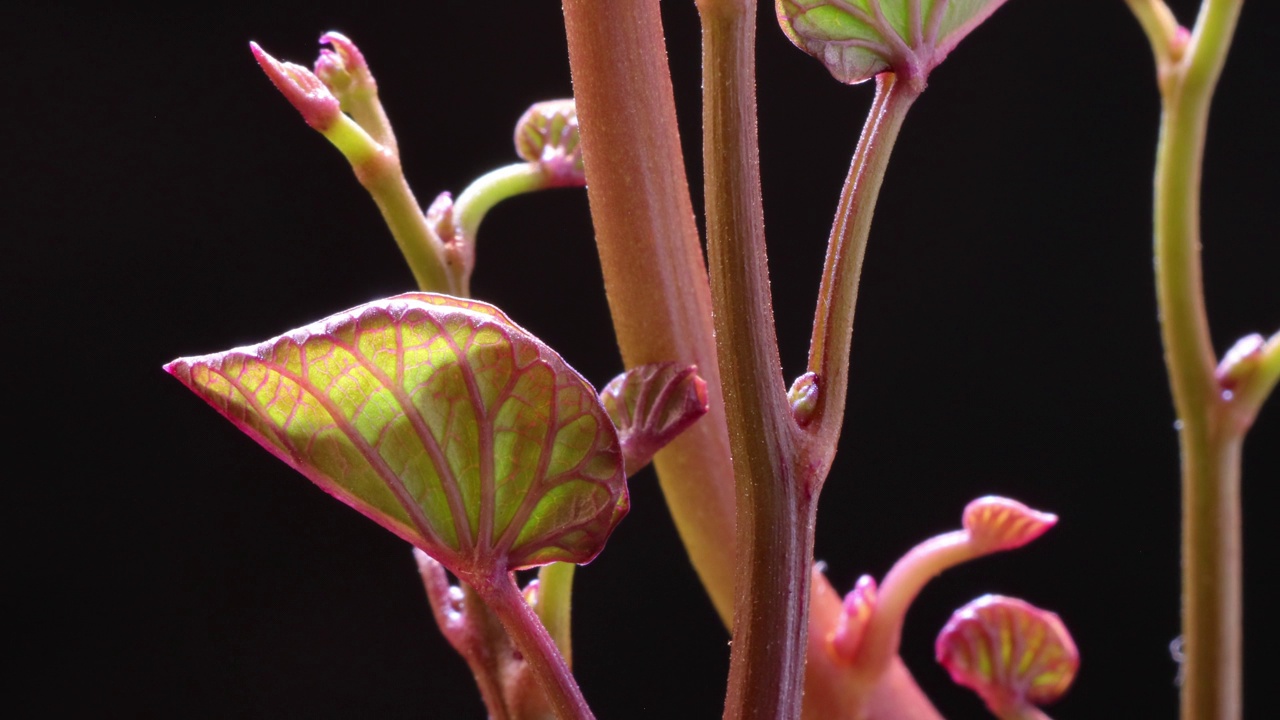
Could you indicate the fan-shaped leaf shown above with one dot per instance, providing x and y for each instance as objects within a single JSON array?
[
  {"x": 438, "y": 418},
  {"x": 1008, "y": 651}
]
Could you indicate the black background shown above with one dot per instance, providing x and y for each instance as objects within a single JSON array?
[{"x": 164, "y": 200}]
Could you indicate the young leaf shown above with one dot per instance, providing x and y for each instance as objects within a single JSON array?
[
  {"x": 858, "y": 39},
  {"x": 852, "y": 625},
  {"x": 997, "y": 523},
  {"x": 547, "y": 134},
  {"x": 438, "y": 418},
  {"x": 652, "y": 404},
  {"x": 1010, "y": 652}
]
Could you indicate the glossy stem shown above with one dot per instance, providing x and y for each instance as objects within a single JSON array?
[
  {"x": 503, "y": 596},
  {"x": 651, "y": 256},
  {"x": 901, "y": 586},
  {"x": 1210, "y": 445},
  {"x": 832, "y": 338}
]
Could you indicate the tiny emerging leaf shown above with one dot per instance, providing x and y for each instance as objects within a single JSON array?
[
  {"x": 438, "y": 418},
  {"x": 852, "y": 625},
  {"x": 1010, "y": 652},
  {"x": 651, "y": 405},
  {"x": 997, "y": 523},
  {"x": 547, "y": 134},
  {"x": 858, "y": 39}
]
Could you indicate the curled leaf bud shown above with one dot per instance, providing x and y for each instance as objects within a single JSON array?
[
  {"x": 302, "y": 89},
  {"x": 1240, "y": 361},
  {"x": 1009, "y": 652},
  {"x": 547, "y": 134},
  {"x": 803, "y": 398},
  {"x": 343, "y": 68},
  {"x": 997, "y": 523},
  {"x": 650, "y": 405},
  {"x": 858, "y": 605}
]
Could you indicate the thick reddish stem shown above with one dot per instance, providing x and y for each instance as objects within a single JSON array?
[{"x": 651, "y": 256}]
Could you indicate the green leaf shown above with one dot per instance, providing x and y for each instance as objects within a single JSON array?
[
  {"x": 858, "y": 39},
  {"x": 438, "y": 418}
]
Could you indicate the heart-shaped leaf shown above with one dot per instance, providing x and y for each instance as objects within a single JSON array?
[
  {"x": 438, "y": 418},
  {"x": 858, "y": 39}
]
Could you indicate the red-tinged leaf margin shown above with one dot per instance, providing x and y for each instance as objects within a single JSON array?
[
  {"x": 593, "y": 515},
  {"x": 1008, "y": 651},
  {"x": 856, "y": 43},
  {"x": 997, "y": 523}
]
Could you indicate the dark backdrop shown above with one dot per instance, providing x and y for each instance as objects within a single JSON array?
[{"x": 165, "y": 200}]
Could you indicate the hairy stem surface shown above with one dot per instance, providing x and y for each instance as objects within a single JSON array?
[
  {"x": 1210, "y": 444},
  {"x": 650, "y": 255},
  {"x": 775, "y": 506},
  {"x": 832, "y": 338},
  {"x": 503, "y": 596}
]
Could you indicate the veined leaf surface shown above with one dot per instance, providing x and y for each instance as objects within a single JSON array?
[
  {"x": 857, "y": 39},
  {"x": 438, "y": 418}
]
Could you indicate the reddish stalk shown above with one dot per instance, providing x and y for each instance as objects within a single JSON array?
[{"x": 651, "y": 257}]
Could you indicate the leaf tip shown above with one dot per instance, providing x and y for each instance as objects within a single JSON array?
[{"x": 997, "y": 523}]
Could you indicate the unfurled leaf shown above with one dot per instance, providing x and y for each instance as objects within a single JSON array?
[
  {"x": 997, "y": 523},
  {"x": 652, "y": 404},
  {"x": 858, "y": 39},
  {"x": 438, "y": 418},
  {"x": 1008, "y": 651}
]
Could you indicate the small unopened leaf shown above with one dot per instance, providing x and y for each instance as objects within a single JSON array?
[
  {"x": 438, "y": 418},
  {"x": 651, "y": 405},
  {"x": 858, "y": 39},
  {"x": 852, "y": 625},
  {"x": 1008, "y": 651},
  {"x": 547, "y": 134},
  {"x": 997, "y": 523}
]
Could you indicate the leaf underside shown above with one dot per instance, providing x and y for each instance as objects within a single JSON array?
[
  {"x": 438, "y": 418},
  {"x": 858, "y": 39}
]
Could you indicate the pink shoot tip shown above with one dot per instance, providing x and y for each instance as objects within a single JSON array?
[
  {"x": 342, "y": 66},
  {"x": 302, "y": 88},
  {"x": 997, "y": 523},
  {"x": 1010, "y": 652},
  {"x": 850, "y": 628}
]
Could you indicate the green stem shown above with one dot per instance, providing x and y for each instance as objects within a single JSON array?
[
  {"x": 470, "y": 207},
  {"x": 503, "y": 596},
  {"x": 832, "y": 337},
  {"x": 1212, "y": 667},
  {"x": 378, "y": 170},
  {"x": 555, "y": 605},
  {"x": 651, "y": 257}
]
